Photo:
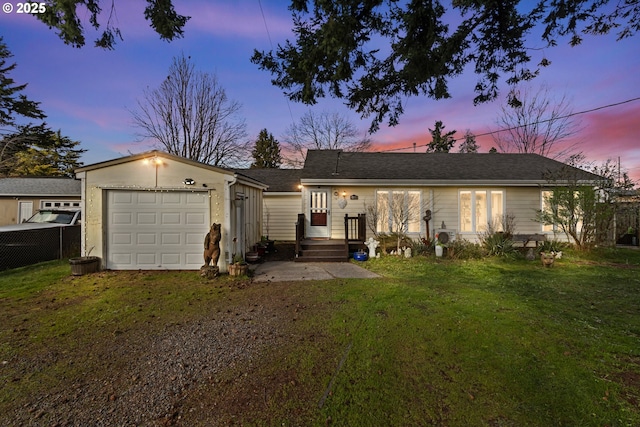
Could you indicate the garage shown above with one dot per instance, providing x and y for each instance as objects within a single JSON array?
[
  {"x": 156, "y": 230},
  {"x": 151, "y": 211}
]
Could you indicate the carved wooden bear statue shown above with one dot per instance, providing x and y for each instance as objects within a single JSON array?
[{"x": 212, "y": 245}]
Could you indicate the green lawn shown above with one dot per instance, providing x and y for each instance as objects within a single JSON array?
[{"x": 434, "y": 342}]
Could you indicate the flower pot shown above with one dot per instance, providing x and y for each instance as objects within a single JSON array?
[
  {"x": 360, "y": 256},
  {"x": 84, "y": 265},
  {"x": 238, "y": 269}
]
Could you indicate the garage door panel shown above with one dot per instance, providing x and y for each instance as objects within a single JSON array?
[
  {"x": 122, "y": 258},
  {"x": 146, "y": 198},
  {"x": 194, "y": 258},
  {"x": 169, "y": 259},
  {"x": 172, "y": 198},
  {"x": 124, "y": 218},
  {"x": 195, "y": 239},
  {"x": 122, "y": 198},
  {"x": 146, "y": 239},
  {"x": 171, "y": 218},
  {"x": 148, "y": 230},
  {"x": 146, "y": 218},
  {"x": 171, "y": 238},
  {"x": 121, "y": 238},
  {"x": 146, "y": 259},
  {"x": 195, "y": 218}
]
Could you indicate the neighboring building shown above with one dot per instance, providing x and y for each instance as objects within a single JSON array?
[
  {"x": 21, "y": 197},
  {"x": 151, "y": 211}
]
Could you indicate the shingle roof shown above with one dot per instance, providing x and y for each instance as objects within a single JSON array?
[
  {"x": 278, "y": 180},
  {"x": 45, "y": 186},
  {"x": 432, "y": 167}
]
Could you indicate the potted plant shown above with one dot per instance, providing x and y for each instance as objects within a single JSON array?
[{"x": 239, "y": 266}]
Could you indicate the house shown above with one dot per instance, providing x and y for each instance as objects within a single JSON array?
[
  {"x": 282, "y": 201},
  {"x": 21, "y": 197},
  {"x": 152, "y": 210},
  {"x": 463, "y": 193}
]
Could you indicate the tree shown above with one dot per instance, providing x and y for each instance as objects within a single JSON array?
[
  {"x": 322, "y": 131},
  {"x": 469, "y": 145},
  {"x": 375, "y": 54},
  {"x": 266, "y": 153},
  {"x": 13, "y": 103},
  {"x": 190, "y": 115},
  {"x": 537, "y": 124},
  {"x": 583, "y": 210},
  {"x": 64, "y": 16},
  {"x": 440, "y": 143},
  {"x": 39, "y": 151}
]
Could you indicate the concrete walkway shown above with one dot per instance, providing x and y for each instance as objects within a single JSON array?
[{"x": 286, "y": 271}]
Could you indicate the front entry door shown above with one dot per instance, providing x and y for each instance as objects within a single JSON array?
[{"x": 319, "y": 213}]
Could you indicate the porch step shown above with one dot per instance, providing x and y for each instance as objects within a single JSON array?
[{"x": 322, "y": 251}]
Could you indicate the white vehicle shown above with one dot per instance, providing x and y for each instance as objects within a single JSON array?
[{"x": 47, "y": 218}]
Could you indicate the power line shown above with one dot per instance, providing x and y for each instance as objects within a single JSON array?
[
  {"x": 264, "y": 19},
  {"x": 528, "y": 124}
]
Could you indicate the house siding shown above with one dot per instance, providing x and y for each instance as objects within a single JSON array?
[
  {"x": 444, "y": 204},
  {"x": 279, "y": 216}
]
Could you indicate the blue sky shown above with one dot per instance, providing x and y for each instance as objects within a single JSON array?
[{"x": 87, "y": 93}]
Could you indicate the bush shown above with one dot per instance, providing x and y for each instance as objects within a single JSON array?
[
  {"x": 498, "y": 244},
  {"x": 421, "y": 247},
  {"x": 464, "y": 249},
  {"x": 552, "y": 246}
]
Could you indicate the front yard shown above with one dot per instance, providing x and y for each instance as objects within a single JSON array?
[{"x": 444, "y": 343}]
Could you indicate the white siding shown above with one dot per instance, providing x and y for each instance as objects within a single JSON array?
[{"x": 280, "y": 213}]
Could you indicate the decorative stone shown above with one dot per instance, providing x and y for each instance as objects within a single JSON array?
[
  {"x": 407, "y": 252},
  {"x": 530, "y": 256}
]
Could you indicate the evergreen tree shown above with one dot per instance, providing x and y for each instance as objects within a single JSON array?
[
  {"x": 469, "y": 145},
  {"x": 266, "y": 153},
  {"x": 441, "y": 143},
  {"x": 13, "y": 104},
  {"x": 39, "y": 151}
]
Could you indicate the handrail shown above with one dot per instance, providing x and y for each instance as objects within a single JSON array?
[
  {"x": 355, "y": 228},
  {"x": 299, "y": 232}
]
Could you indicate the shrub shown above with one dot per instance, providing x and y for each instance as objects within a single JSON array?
[
  {"x": 464, "y": 249},
  {"x": 421, "y": 247},
  {"x": 498, "y": 244},
  {"x": 552, "y": 246}
]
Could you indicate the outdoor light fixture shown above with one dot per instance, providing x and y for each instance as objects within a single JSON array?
[
  {"x": 342, "y": 203},
  {"x": 188, "y": 181}
]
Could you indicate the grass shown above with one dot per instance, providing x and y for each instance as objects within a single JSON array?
[{"x": 434, "y": 342}]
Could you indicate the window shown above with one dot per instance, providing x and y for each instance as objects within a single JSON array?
[
  {"x": 547, "y": 206},
  {"x": 398, "y": 210},
  {"x": 479, "y": 208}
]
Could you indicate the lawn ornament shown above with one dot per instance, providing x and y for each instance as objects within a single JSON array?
[
  {"x": 212, "y": 245},
  {"x": 372, "y": 244}
]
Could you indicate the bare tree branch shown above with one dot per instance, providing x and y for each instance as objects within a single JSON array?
[
  {"x": 190, "y": 115},
  {"x": 321, "y": 131},
  {"x": 538, "y": 124}
]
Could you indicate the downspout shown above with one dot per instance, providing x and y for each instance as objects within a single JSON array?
[
  {"x": 83, "y": 211},
  {"x": 228, "y": 205}
]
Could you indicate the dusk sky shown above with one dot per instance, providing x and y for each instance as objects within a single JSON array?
[{"x": 87, "y": 93}]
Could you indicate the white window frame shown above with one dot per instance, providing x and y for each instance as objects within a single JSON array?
[
  {"x": 389, "y": 194},
  {"x": 59, "y": 204},
  {"x": 489, "y": 215}
]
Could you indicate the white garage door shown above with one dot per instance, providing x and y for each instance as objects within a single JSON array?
[{"x": 156, "y": 231}]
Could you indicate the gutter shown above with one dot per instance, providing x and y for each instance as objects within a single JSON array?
[{"x": 229, "y": 180}]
